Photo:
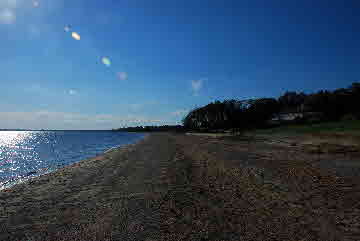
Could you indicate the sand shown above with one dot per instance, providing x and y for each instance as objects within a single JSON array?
[{"x": 180, "y": 187}]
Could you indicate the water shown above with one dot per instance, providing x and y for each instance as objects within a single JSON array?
[{"x": 26, "y": 154}]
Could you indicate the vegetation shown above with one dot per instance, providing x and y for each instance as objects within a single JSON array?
[
  {"x": 345, "y": 126},
  {"x": 288, "y": 110},
  {"x": 322, "y": 106},
  {"x": 231, "y": 114}
]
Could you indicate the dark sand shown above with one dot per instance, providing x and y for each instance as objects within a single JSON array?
[{"x": 177, "y": 187}]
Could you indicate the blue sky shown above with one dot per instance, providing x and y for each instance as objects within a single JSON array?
[{"x": 141, "y": 62}]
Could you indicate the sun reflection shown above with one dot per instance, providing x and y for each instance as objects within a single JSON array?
[
  {"x": 12, "y": 138},
  {"x": 12, "y": 147}
]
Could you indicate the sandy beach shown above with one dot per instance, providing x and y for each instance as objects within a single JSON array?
[{"x": 183, "y": 187}]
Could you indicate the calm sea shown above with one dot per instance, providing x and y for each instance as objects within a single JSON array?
[{"x": 26, "y": 154}]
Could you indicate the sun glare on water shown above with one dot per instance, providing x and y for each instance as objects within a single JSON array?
[{"x": 11, "y": 140}]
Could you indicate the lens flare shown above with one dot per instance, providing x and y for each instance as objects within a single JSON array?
[
  {"x": 76, "y": 36},
  {"x": 106, "y": 61},
  {"x": 36, "y": 4},
  {"x": 122, "y": 75}
]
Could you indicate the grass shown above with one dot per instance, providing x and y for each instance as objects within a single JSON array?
[{"x": 349, "y": 126}]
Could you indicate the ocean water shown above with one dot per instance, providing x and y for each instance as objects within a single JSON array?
[{"x": 27, "y": 154}]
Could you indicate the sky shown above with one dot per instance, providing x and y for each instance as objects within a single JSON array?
[{"x": 91, "y": 64}]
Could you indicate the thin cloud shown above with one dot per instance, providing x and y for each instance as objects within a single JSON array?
[
  {"x": 179, "y": 113},
  {"x": 7, "y": 11},
  {"x": 136, "y": 107},
  {"x": 73, "y": 121},
  {"x": 7, "y": 16},
  {"x": 8, "y": 3},
  {"x": 141, "y": 106}
]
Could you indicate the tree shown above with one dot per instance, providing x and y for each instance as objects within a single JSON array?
[
  {"x": 292, "y": 101},
  {"x": 256, "y": 112}
]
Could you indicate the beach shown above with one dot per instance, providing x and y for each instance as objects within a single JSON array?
[{"x": 185, "y": 187}]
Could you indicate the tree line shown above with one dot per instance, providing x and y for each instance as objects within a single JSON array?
[{"x": 256, "y": 113}]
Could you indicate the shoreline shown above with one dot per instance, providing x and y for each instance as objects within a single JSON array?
[
  {"x": 180, "y": 187},
  {"x": 146, "y": 135},
  {"x": 27, "y": 177}
]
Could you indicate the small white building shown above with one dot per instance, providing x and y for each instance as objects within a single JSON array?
[
  {"x": 287, "y": 116},
  {"x": 295, "y": 115}
]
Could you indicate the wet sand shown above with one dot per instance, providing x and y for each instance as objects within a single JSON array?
[{"x": 180, "y": 187}]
